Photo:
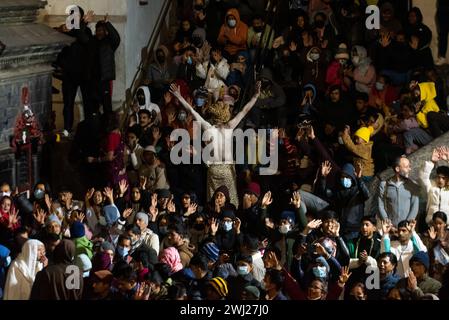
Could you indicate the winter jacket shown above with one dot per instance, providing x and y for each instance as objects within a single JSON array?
[
  {"x": 315, "y": 71},
  {"x": 437, "y": 198},
  {"x": 349, "y": 203},
  {"x": 425, "y": 285},
  {"x": 428, "y": 95},
  {"x": 156, "y": 177},
  {"x": 386, "y": 284},
  {"x": 364, "y": 73},
  {"x": 398, "y": 201},
  {"x": 161, "y": 74},
  {"x": 274, "y": 96},
  {"x": 362, "y": 154},
  {"x": 233, "y": 39},
  {"x": 106, "y": 49},
  {"x": 267, "y": 32}
]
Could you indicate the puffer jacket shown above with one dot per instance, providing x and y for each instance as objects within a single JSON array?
[{"x": 106, "y": 49}]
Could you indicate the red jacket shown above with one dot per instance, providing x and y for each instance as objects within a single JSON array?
[{"x": 233, "y": 39}]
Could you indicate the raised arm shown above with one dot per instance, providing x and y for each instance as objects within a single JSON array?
[
  {"x": 175, "y": 91},
  {"x": 234, "y": 122}
]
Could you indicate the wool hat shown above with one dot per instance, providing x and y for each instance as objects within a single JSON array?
[
  {"x": 364, "y": 133},
  {"x": 77, "y": 230},
  {"x": 224, "y": 190},
  {"x": 211, "y": 251},
  {"x": 219, "y": 285},
  {"x": 252, "y": 290},
  {"x": 163, "y": 193},
  {"x": 342, "y": 52},
  {"x": 142, "y": 216},
  {"x": 53, "y": 218},
  {"x": 228, "y": 214},
  {"x": 106, "y": 245},
  {"x": 253, "y": 188},
  {"x": 289, "y": 215},
  {"x": 421, "y": 257},
  {"x": 83, "y": 262},
  {"x": 111, "y": 214}
]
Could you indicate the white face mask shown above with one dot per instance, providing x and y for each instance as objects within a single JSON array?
[
  {"x": 284, "y": 229},
  {"x": 5, "y": 194},
  {"x": 314, "y": 56},
  {"x": 232, "y": 23},
  {"x": 356, "y": 60},
  {"x": 227, "y": 225}
]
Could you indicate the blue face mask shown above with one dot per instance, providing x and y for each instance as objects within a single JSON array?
[
  {"x": 7, "y": 262},
  {"x": 227, "y": 226},
  {"x": 346, "y": 182},
  {"x": 189, "y": 60},
  {"x": 243, "y": 270},
  {"x": 39, "y": 194},
  {"x": 379, "y": 86},
  {"x": 200, "y": 102},
  {"x": 123, "y": 252},
  {"x": 319, "y": 272}
]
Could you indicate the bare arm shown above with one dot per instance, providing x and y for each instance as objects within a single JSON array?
[
  {"x": 234, "y": 122},
  {"x": 174, "y": 89}
]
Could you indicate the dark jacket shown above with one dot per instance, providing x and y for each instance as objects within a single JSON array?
[
  {"x": 273, "y": 96},
  {"x": 386, "y": 284},
  {"x": 105, "y": 50},
  {"x": 238, "y": 283},
  {"x": 51, "y": 282},
  {"x": 349, "y": 203}
]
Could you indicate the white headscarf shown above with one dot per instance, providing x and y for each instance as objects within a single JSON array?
[{"x": 27, "y": 261}]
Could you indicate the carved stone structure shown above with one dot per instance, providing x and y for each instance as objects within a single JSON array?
[{"x": 29, "y": 50}]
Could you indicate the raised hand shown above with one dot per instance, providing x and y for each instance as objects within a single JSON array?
[
  {"x": 154, "y": 200},
  {"x": 296, "y": 199},
  {"x": 171, "y": 116},
  {"x": 237, "y": 225},
  {"x": 175, "y": 90},
  {"x": 157, "y": 135},
  {"x": 191, "y": 209},
  {"x": 127, "y": 212},
  {"x": 90, "y": 193},
  {"x": 39, "y": 216},
  {"x": 320, "y": 250},
  {"x": 432, "y": 233},
  {"x": 89, "y": 16},
  {"x": 78, "y": 216},
  {"x": 344, "y": 275},
  {"x": 293, "y": 46},
  {"x": 411, "y": 225},
  {"x": 311, "y": 133},
  {"x": 13, "y": 218},
  {"x": 109, "y": 193},
  {"x": 412, "y": 282},
  {"x": 171, "y": 205},
  {"x": 335, "y": 230},
  {"x": 314, "y": 224},
  {"x": 386, "y": 226},
  {"x": 213, "y": 226},
  {"x": 326, "y": 168},
  {"x": 143, "y": 292},
  {"x": 246, "y": 201},
  {"x": 153, "y": 213},
  {"x": 48, "y": 201},
  {"x": 266, "y": 200},
  {"x": 143, "y": 182},
  {"x": 436, "y": 155},
  {"x": 123, "y": 186}
]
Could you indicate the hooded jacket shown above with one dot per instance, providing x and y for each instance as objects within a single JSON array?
[
  {"x": 315, "y": 71},
  {"x": 272, "y": 97},
  {"x": 50, "y": 283},
  {"x": 428, "y": 95},
  {"x": 364, "y": 73},
  {"x": 233, "y": 39},
  {"x": 362, "y": 154},
  {"x": 161, "y": 73},
  {"x": 148, "y": 105},
  {"x": 349, "y": 203}
]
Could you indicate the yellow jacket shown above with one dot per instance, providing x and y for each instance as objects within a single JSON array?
[{"x": 428, "y": 94}]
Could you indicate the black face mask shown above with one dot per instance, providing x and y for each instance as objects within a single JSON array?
[
  {"x": 197, "y": 42},
  {"x": 258, "y": 29},
  {"x": 160, "y": 58},
  {"x": 198, "y": 7},
  {"x": 319, "y": 24}
]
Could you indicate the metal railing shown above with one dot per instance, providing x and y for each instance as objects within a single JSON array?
[{"x": 146, "y": 56}]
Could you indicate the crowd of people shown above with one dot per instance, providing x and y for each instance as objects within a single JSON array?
[{"x": 347, "y": 104}]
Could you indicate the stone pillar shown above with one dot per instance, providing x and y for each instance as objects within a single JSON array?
[{"x": 30, "y": 48}]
